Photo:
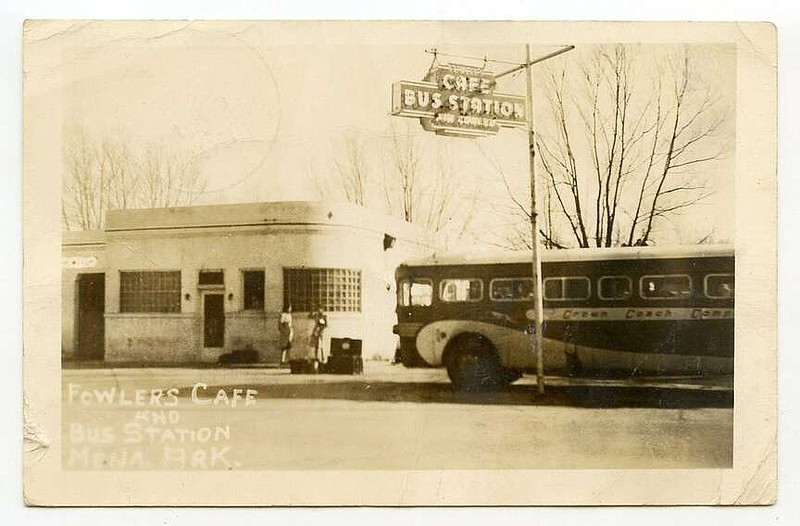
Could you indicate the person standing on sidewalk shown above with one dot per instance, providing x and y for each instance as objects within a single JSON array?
[
  {"x": 286, "y": 332},
  {"x": 320, "y": 324}
]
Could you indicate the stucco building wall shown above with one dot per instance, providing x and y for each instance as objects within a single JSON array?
[{"x": 235, "y": 238}]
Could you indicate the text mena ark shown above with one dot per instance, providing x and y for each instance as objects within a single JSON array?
[{"x": 458, "y": 100}]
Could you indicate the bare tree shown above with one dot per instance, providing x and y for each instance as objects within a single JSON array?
[
  {"x": 406, "y": 161},
  {"x": 687, "y": 131},
  {"x": 620, "y": 153},
  {"x": 425, "y": 193},
  {"x": 449, "y": 207},
  {"x": 429, "y": 194},
  {"x": 350, "y": 164},
  {"x": 106, "y": 174},
  {"x": 517, "y": 231},
  {"x": 166, "y": 178},
  {"x": 83, "y": 200}
]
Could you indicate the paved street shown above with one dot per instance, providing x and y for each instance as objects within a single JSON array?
[{"x": 388, "y": 418}]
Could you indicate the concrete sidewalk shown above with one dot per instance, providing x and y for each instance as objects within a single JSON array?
[
  {"x": 383, "y": 382},
  {"x": 386, "y": 371}
]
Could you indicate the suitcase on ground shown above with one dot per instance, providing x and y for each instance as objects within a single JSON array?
[
  {"x": 345, "y": 347},
  {"x": 345, "y": 365}
]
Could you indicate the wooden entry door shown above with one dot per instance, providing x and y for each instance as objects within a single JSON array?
[
  {"x": 91, "y": 316},
  {"x": 213, "y": 321}
]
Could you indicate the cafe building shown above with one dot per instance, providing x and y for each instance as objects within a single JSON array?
[{"x": 191, "y": 284}]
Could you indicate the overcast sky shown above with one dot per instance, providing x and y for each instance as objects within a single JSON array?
[{"x": 266, "y": 110}]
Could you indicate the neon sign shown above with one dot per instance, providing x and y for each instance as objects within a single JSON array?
[{"x": 457, "y": 100}]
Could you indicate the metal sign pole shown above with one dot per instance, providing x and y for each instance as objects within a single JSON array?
[
  {"x": 537, "y": 263},
  {"x": 538, "y": 310}
]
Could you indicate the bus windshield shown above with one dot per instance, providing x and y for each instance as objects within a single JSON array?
[{"x": 415, "y": 293}]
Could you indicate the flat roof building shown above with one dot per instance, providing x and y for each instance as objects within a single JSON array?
[{"x": 187, "y": 285}]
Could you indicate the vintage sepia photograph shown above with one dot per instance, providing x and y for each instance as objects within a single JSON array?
[{"x": 400, "y": 252}]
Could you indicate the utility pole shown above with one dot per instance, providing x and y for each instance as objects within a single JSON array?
[{"x": 538, "y": 309}]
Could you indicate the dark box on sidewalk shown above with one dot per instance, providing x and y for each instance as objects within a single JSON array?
[
  {"x": 345, "y": 347},
  {"x": 345, "y": 365}
]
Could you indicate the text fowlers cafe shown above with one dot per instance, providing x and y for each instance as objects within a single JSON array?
[{"x": 458, "y": 100}]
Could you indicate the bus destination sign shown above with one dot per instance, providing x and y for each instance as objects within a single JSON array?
[{"x": 459, "y": 101}]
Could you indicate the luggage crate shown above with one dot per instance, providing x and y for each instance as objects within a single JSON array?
[
  {"x": 345, "y": 347},
  {"x": 345, "y": 365}
]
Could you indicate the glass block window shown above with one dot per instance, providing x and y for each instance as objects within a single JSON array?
[
  {"x": 331, "y": 289},
  {"x": 253, "y": 289},
  {"x": 151, "y": 291}
]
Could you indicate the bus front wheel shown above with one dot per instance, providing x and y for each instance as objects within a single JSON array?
[{"x": 472, "y": 365}]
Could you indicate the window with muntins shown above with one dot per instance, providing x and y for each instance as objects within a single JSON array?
[
  {"x": 150, "y": 291},
  {"x": 331, "y": 289}
]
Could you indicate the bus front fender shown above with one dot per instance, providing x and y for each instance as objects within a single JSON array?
[{"x": 512, "y": 345}]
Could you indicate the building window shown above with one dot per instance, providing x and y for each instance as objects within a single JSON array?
[
  {"x": 211, "y": 277},
  {"x": 416, "y": 293},
  {"x": 331, "y": 289},
  {"x": 669, "y": 287},
  {"x": 511, "y": 289},
  {"x": 253, "y": 290},
  {"x": 614, "y": 287},
  {"x": 719, "y": 286},
  {"x": 564, "y": 289},
  {"x": 451, "y": 290},
  {"x": 151, "y": 291}
]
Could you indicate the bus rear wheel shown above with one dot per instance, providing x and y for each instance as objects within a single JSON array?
[{"x": 472, "y": 365}]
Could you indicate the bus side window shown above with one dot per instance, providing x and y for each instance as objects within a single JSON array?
[
  {"x": 452, "y": 290},
  {"x": 567, "y": 288},
  {"x": 719, "y": 286},
  {"x": 614, "y": 287},
  {"x": 672, "y": 286},
  {"x": 576, "y": 288},
  {"x": 553, "y": 289},
  {"x": 475, "y": 292},
  {"x": 511, "y": 289},
  {"x": 502, "y": 290}
]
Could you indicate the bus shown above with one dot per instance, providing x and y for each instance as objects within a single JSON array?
[{"x": 607, "y": 311}]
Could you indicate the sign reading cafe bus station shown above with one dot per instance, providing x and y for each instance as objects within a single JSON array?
[{"x": 459, "y": 101}]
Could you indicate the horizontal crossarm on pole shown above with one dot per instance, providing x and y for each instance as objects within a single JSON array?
[{"x": 535, "y": 61}]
